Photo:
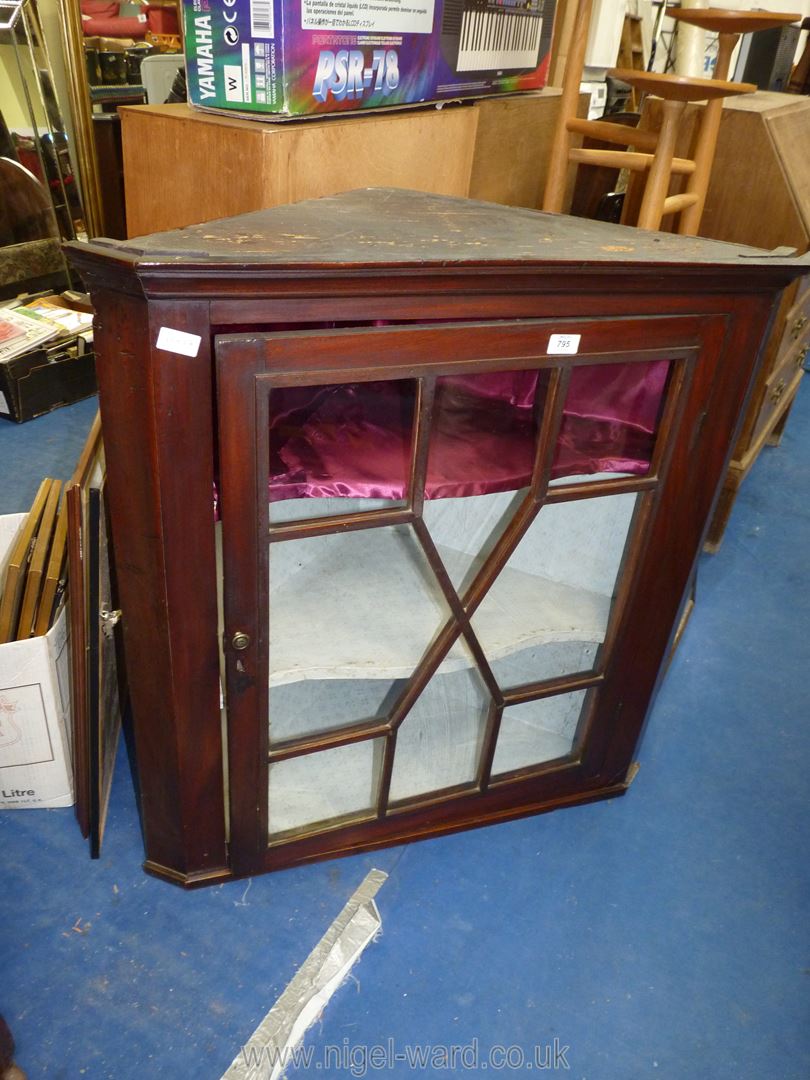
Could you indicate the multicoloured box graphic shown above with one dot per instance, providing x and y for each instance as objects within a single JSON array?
[{"x": 310, "y": 57}]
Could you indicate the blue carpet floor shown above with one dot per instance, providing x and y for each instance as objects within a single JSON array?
[{"x": 662, "y": 935}]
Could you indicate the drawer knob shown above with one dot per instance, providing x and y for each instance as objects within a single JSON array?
[
  {"x": 240, "y": 640},
  {"x": 777, "y": 391},
  {"x": 798, "y": 326}
]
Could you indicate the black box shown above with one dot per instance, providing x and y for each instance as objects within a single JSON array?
[
  {"x": 46, "y": 378},
  {"x": 766, "y": 58}
]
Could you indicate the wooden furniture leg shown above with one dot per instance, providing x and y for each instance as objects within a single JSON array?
[
  {"x": 722, "y": 512},
  {"x": 775, "y": 437},
  {"x": 706, "y": 143},
  {"x": 558, "y": 157},
  {"x": 657, "y": 186}
]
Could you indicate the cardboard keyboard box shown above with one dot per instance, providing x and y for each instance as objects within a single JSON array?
[{"x": 294, "y": 58}]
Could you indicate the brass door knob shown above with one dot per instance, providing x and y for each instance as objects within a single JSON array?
[{"x": 240, "y": 640}]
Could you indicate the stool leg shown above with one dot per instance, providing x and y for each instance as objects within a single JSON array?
[
  {"x": 657, "y": 186},
  {"x": 698, "y": 183},
  {"x": 558, "y": 159},
  {"x": 706, "y": 142},
  {"x": 725, "y": 48}
]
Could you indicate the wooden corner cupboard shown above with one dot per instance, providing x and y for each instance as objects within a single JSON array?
[{"x": 405, "y": 495}]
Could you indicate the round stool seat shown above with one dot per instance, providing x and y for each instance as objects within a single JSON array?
[
  {"x": 681, "y": 87},
  {"x": 721, "y": 21}
]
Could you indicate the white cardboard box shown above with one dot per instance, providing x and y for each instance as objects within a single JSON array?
[{"x": 35, "y": 750}]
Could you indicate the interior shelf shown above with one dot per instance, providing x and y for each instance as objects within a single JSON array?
[{"x": 366, "y": 605}]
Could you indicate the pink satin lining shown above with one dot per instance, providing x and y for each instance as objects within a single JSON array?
[{"x": 353, "y": 440}]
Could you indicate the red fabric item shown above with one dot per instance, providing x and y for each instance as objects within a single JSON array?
[
  {"x": 353, "y": 439},
  {"x": 104, "y": 21},
  {"x": 163, "y": 20},
  {"x": 100, "y": 9},
  {"x": 114, "y": 28}
]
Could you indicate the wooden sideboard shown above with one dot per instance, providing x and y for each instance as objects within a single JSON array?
[
  {"x": 759, "y": 194},
  {"x": 464, "y": 459},
  {"x": 183, "y": 166}
]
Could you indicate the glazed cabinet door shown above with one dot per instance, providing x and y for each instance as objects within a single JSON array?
[{"x": 430, "y": 537}]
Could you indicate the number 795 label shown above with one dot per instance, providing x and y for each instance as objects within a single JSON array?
[{"x": 560, "y": 344}]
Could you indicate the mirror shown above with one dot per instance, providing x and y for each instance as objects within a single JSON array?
[
  {"x": 105, "y": 46},
  {"x": 40, "y": 203},
  {"x": 78, "y": 88}
]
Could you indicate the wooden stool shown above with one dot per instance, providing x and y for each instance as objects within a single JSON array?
[
  {"x": 652, "y": 152},
  {"x": 677, "y": 91},
  {"x": 728, "y": 25}
]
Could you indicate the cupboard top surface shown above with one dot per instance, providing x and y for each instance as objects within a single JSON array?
[{"x": 391, "y": 227}]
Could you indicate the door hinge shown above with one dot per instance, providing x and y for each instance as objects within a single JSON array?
[{"x": 109, "y": 620}]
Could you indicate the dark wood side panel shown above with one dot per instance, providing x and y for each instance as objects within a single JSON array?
[
  {"x": 699, "y": 461},
  {"x": 157, "y": 418}
]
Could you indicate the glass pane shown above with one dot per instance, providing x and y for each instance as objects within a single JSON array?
[
  {"x": 611, "y": 417},
  {"x": 548, "y": 609},
  {"x": 537, "y": 731},
  {"x": 484, "y": 432},
  {"x": 351, "y": 615},
  {"x": 482, "y": 449},
  {"x": 322, "y": 787},
  {"x": 439, "y": 741},
  {"x": 465, "y": 530},
  {"x": 339, "y": 449},
  {"x": 310, "y": 706}
]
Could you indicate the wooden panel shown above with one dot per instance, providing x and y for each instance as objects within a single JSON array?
[
  {"x": 525, "y": 124},
  {"x": 76, "y": 502},
  {"x": 207, "y": 166},
  {"x": 182, "y": 167},
  {"x": 457, "y": 150},
  {"x": 790, "y": 131},
  {"x": 426, "y": 150},
  {"x": 748, "y": 193},
  {"x": 156, "y": 406}
]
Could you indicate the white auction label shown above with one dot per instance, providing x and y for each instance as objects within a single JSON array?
[
  {"x": 560, "y": 344},
  {"x": 178, "y": 341},
  {"x": 4, "y": 409}
]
